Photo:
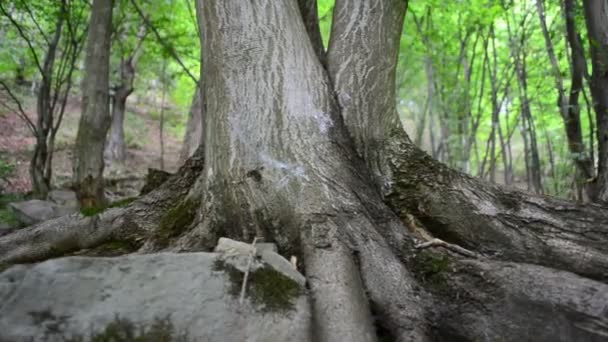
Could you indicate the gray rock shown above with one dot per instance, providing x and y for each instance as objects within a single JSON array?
[
  {"x": 66, "y": 198},
  {"x": 266, "y": 252},
  {"x": 80, "y": 296},
  {"x": 6, "y": 229},
  {"x": 36, "y": 211}
]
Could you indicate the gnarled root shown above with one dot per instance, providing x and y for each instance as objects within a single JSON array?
[{"x": 134, "y": 223}]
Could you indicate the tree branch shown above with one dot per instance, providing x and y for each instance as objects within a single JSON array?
[{"x": 168, "y": 47}]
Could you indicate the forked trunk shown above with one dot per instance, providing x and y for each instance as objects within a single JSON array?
[{"x": 325, "y": 176}]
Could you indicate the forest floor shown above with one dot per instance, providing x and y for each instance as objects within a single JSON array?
[{"x": 141, "y": 133}]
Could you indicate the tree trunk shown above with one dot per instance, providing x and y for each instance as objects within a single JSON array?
[
  {"x": 596, "y": 17},
  {"x": 95, "y": 119},
  {"x": 194, "y": 128},
  {"x": 352, "y": 197},
  {"x": 116, "y": 148}
]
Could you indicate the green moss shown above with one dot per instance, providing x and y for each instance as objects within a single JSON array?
[
  {"x": 91, "y": 211},
  {"x": 432, "y": 269},
  {"x": 123, "y": 330},
  {"x": 266, "y": 287},
  {"x": 177, "y": 219},
  {"x": 122, "y": 203},
  {"x": 115, "y": 248}
]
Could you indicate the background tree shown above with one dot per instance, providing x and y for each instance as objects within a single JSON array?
[
  {"x": 596, "y": 17},
  {"x": 128, "y": 50},
  {"x": 95, "y": 119},
  {"x": 59, "y": 38}
]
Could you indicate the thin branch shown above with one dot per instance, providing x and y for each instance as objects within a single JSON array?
[
  {"x": 21, "y": 111},
  {"x": 449, "y": 246},
  {"x": 160, "y": 39},
  {"x": 249, "y": 262},
  {"x": 24, "y": 36},
  {"x": 33, "y": 17}
]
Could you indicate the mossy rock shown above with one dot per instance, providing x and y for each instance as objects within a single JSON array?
[{"x": 266, "y": 288}]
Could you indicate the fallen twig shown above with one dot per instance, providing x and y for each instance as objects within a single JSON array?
[{"x": 449, "y": 246}]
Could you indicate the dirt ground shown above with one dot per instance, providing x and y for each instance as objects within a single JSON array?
[{"x": 17, "y": 143}]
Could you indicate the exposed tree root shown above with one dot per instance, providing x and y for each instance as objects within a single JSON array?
[
  {"x": 494, "y": 301},
  {"x": 133, "y": 223},
  {"x": 507, "y": 224}
]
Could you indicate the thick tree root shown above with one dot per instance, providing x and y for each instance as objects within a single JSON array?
[
  {"x": 134, "y": 223},
  {"x": 505, "y": 223},
  {"x": 494, "y": 301}
]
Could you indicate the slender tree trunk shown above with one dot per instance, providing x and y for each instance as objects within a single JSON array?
[
  {"x": 95, "y": 119},
  {"x": 40, "y": 165},
  {"x": 568, "y": 105},
  {"x": 116, "y": 148},
  {"x": 194, "y": 128},
  {"x": 596, "y": 17}
]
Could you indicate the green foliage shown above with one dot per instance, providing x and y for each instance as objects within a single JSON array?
[
  {"x": 7, "y": 168},
  {"x": 7, "y": 215}
]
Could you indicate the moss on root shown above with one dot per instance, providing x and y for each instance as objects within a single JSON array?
[
  {"x": 266, "y": 287},
  {"x": 92, "y": 211},
  {"x": 177, "y": 219},
  {"x": 433, "y": 269}
]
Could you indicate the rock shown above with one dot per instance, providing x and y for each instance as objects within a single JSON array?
[
  {"x": 5, "y": 229},
  {"x": 266, "y": 252},
  {"x": 195, "y": 295},
  {"x": 66, "y": 198},
  {"x": 35, "y": 211},
  {"x": 154, "y": 179}
]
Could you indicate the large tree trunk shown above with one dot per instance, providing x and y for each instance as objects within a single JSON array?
[
  {"x": 336, "y": 182},
  {"x": 95, "y": 119},
  {"x": 596, "y": 17}
]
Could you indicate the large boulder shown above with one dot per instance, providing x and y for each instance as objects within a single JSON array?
[
  {"x": 60, "y": 203},
  {"x": 165, "y": 296},
  {"x": 34, "y": 211}
]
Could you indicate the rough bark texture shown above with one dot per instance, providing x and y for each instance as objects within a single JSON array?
[
  {"x": 596, "y": 17},
  {"x": 282, "y": 164},
  {"x": 95, "y": 119},
  {"x": 572, "y": 121},
  {"x": 362, "y": 61}
]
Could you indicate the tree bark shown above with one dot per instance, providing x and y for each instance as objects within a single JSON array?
[
  {"x": 280, "y": 164},
  {"x": 596, "y": 17},
  {"x": 116, "y": 149},
  {"x": 95, "y": 119}
]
